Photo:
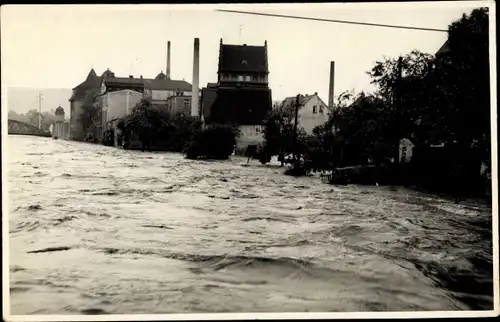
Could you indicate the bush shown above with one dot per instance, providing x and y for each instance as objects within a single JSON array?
[
  {"x": 109, "y": 137},
  {"x": 215, "y": 142}
]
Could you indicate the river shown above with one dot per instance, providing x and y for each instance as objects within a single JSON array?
[{"x": 99, "y": 230}]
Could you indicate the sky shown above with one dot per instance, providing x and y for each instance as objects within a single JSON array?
[{"x": 55, "y": 46}]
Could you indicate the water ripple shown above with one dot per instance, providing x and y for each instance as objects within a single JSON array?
[{"x": 98, "y": 230}]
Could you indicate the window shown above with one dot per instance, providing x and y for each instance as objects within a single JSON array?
[
  {"x": 315, "y": 109},
  {"x": 240, "y": 78},
  {"x": 247, "y": 78},
  {"x": 321, "y": 109},
  {"x": 258, "y": 128}
]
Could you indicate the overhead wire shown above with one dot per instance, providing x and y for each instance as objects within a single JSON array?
[{"x": 333, "y": 20}]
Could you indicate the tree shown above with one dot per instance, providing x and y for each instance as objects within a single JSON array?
[
  {"x": 157, "y": 126},
  {"x": 214, "y": 142},
  {"x": 278, "y": 133},
  {"x": 32, "y": 116},
  {"x": 463, "y": 79},
  {"x": 405, "y": 96},
  {"x": 90, "y": 110}
]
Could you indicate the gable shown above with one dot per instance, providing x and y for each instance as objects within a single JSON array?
[{"x": 314, "y": 100}]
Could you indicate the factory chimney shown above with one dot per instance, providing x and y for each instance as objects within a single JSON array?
[
  {"x": 195, "y": 100},
  {"x": 331, "y": 89},
  {"x": 168, "y": 60}
]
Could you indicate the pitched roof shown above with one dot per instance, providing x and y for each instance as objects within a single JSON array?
[
  {"x": 124, "y": 81},
  {"x": 236, "y": 58},
  {"x": 159, "y": 83},
  {"x": 167, "y": 84},
  {"x": 444, "y": 48},
  {"x": 153, "y": 84},
  {"x": 92, "y": 81},
  {"x": 290, "y": 101}
]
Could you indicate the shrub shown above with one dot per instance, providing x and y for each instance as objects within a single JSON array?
[{"x": 214, "y": 142}]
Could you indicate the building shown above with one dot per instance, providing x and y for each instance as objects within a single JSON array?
[
  {"x": 241, "y": 95},
  {"x": 179, "y": 104},
  {"x": 158, "y": 89},
  {"x": 443, "y": 49},
  {"x": 114, "y": 97},
  {"x": 161, "y": 88},
  {"x": 312, "y": 112},
  {"x": 60, "y": 128},
  {"x": 114, "y": 105},
  {"x": 91, "y": 84}
]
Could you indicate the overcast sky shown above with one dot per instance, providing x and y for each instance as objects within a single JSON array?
[{"x": 56, "y": 46}]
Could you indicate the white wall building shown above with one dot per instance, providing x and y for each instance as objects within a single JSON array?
[
  {"x": 313, "y": 111},
  {"x": 117, "y": 104}
]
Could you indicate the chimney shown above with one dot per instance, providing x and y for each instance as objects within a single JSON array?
[
  {"x": 130, "y": 76},
  {"x": 332, "y": 85},
  {"x": 168, "y": 60},
  {"x": 196, "y": 71},
  {"x": 141, "y": 76}
]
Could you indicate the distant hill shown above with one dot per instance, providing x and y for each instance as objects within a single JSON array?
[{"x": 21, "y": 100}]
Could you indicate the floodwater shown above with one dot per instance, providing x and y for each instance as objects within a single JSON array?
[{"x": 98, "y": 230}]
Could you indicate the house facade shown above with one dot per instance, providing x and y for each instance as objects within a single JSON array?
[
  {"x": 161, "y": 88},
  {"x": 241, "y": 95},
  {"x": 114, "y": 97},
  {"x": 313, "y": 111},
  {"x": 77, "y": 99},
  {"x": 116, "y": 104},
  {"x": 179, "y": 103}
]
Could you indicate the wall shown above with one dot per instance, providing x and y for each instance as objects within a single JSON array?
[
  {"x": 157, "y": 95},
  {"x": 120, "y": 104},
  {"x": 250, "y": 135},
  {"x": 308, "y": 119},
  {"x": 76, "y": 130},
  {"x": 58, "y": 130},
  {"x": 178, "y": 105}
]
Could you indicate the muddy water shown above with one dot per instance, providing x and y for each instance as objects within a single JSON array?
[{"x": 95, "y": 229}]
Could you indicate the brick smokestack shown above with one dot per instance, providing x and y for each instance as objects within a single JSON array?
[
  {"x": 331, "y": 89},
  {"x": 168, "y": 60},
  {"x": 195, "y": 101}
]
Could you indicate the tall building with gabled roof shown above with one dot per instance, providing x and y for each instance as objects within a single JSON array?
[
  {"x": 91, "y": 83},
  {"x": 242, "y": 95}
]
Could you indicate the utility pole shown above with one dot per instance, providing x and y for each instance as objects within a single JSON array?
[
  {"x": 40, "y": 97},
  {"x": 295, "y": 125}
]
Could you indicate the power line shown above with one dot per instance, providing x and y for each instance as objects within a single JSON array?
[{"x": 335, "y": 21}]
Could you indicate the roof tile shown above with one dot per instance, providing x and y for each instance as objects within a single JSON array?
[{"x": 235, "y": 58}]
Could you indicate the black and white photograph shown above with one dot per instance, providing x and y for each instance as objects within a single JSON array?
[{"x": 229, "y": 161}]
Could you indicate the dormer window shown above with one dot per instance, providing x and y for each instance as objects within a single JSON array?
[{"x": 315, "y": 109}]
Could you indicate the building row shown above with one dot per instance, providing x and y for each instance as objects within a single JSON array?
[{"x": 241, "y": 95}]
